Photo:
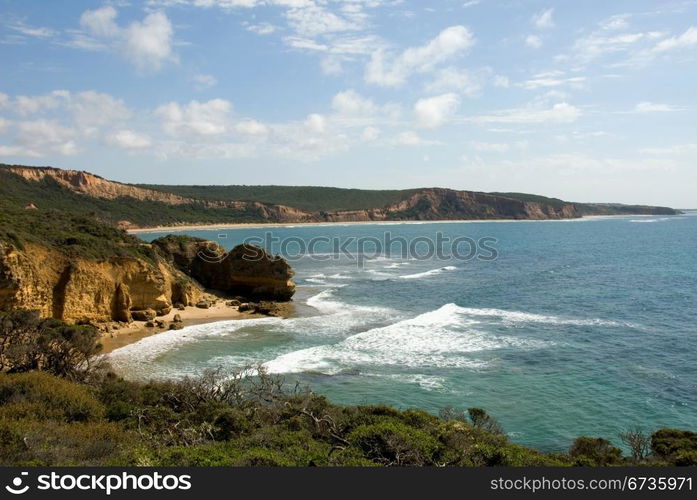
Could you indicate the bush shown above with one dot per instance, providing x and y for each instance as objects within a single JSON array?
[
  {"x": 40, "y": 396},
  {"x": 28, "y": 342},
  {"x": 589, "y": 451},
  {"x": 394, "y": 443},
  {"x": 668, "y": 444}
]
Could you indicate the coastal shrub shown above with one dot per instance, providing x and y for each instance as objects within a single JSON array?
[
  {"x": 391, "y": 442},
  {"x": 41, "y": 396},
  {"x": 482, "y": 420},
  {"x": 594, "y": 451},
  {"x": 33, "y": 442},
  {"x": 29, "y": 342},
  {"x": 668, "y": 444}
]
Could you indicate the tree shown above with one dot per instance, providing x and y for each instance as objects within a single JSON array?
[{"x": 638, "y": 442}]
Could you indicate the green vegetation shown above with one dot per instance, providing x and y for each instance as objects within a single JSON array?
[
  {"x": 69, "y": 412},
  {"x": 309, "y": 198},
  {"x": 56, "y": 202}
]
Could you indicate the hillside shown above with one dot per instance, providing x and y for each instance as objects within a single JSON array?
[
  {"x": 308, "y": 198},
  {"x": 84, "y": 194}
]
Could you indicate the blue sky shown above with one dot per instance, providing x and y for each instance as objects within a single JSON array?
[{"x": 587, "y": 101}]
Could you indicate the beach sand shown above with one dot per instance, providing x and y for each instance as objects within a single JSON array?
[
  {"x": 190, "y": 316},
  {"x": 261, "y": 225}
]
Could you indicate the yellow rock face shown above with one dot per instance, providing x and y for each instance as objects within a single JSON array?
[{"x": 84, "y": 290}]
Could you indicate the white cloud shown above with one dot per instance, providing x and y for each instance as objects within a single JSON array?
[
  {"x": 600, "y": 44},
  {"x": 435, "y": 111},
  {"x": 203, "y": 81},
  {"x": 552, "y": 80},
  {"x": 147, "y": 44},
  {"x": 616, "y": 22},
  {"x": 38, "y": 32},
  {"x": 370, "y": 134},
  {"x": 128, "y": 139},
  {"x": 316, "y": 123},
  {"x": 490, "y": 147},
  {"x": 93, "y": 111},
  {"x": 262, "y": 28},
  {"x": 40, "y": 137},
  {"x": 677, "y": 149},
  {"x": 313, "y": 20},
  {"x": 687, "y": 39},
  {"x": 101, "y": 22},
  {"x": 543, "y": 19},
  {"x": 4, "y": 100},
  {"x": 199, "y": 118},
  {"x": 251, "y": 128},
  {"x": 470, "y": 3},
  {"x": 533, "y": 41},
  {"x": 4, "y": 126},
  {"x": 469, "y": 83},
  {"x": 391, "y": 71},
  {"x": 27, "y": 105},
  {"x": 559, "y": 113},
  {"x": 409, "y": 138},
  {"x": 651, "y": 107},
  {"x": 350, "y": 103}
]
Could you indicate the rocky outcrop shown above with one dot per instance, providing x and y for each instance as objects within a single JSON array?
[
  {"x": 81, "y": 290},
  {"x": 246, "y": 270}
]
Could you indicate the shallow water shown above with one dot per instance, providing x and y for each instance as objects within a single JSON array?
[{"x": 578, "y": 327}]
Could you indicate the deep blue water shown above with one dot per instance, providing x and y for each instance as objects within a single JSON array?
[{"x": 576, "y": 328}]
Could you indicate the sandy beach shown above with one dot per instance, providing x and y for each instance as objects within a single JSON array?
[
  {"x": 137, "y": 330},
  {"x": 261, "y": 225}
]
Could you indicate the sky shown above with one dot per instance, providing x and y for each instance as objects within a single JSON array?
[{"x": 585, "y": 101}]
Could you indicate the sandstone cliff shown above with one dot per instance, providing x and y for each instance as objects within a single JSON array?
[
  {"x": 247, "y": 270},
  {"x": 83, "y": 290},
  {"x": 80, "y": 290}
]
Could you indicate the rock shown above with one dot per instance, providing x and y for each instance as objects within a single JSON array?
[
  {"x": 164, "y": 311},
  {"x": 277, "y": 309},
  {"x": 160, "y": 323},
  {"x": 246, "y": 270},
  {"x": 177, "y": 318},
  {"x": 203, "y": 304},
  {"x": 150, "y": 324},
  {"x": 176, "y": 325},
  {"x": 233, "y": 303},
  {"x": 179, "y": 306},
  {"x": 144, "y": 315},
  {"x": 247, "y": 307}
]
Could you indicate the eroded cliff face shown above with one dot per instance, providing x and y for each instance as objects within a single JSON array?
[
  {"x": 424, "y": 204},
  {"x": 78, "y": 290},
  {"x": 246, "y": 270},
  {"x": 448, "y": 204}
]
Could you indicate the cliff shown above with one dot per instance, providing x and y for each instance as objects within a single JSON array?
[
  {"x": 82, "y": 290},
  {"x": 247, "y": 270},
  {"x": 88, "y": 290},
  {"x": 131, "y": 206}
]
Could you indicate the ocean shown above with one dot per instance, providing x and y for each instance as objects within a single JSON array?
[{"x": 557, "y": 328}]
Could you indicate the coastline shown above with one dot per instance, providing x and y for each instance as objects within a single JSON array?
[
  {"x": 190, "y": 316},
  {"x": 261, "y": 225}
]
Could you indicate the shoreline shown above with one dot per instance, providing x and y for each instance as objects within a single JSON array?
[
  {"x": 190, "y": 316},
  {"x": 261, "y": 225}
]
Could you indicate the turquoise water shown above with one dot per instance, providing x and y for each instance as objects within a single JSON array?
[{"x": 576, "y": 328}]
